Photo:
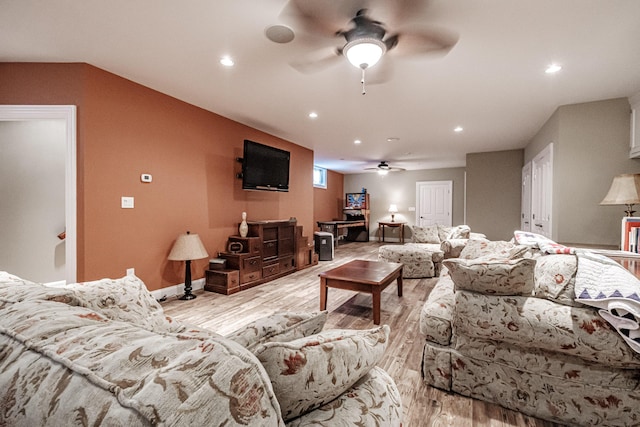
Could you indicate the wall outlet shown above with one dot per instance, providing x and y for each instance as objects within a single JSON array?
[
  {"x": 131, "y": 271},
  {"x": 127, "y": 202},
  {"x": 412, "y": 208}
]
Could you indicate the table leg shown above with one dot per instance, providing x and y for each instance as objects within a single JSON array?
[
  {"x": 376, "y": 305},
  {"x": 399, "y": 280},
  {"x": 324, "y": 291},
  {"x": 401, "y": 233}
]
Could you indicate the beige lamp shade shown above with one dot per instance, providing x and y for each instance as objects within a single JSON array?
[
  {"x": 393, "y": 208},
  {"x": 625, "y": 190},
  {"x": 187, "y": 247}
]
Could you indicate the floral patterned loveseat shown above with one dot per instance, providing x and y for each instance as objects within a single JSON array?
[
  {"x": 429, "y": 246},
  {"x": 503, "y": 324},
  {"x": 104, "y": 354}
]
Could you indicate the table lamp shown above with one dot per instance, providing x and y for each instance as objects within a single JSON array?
[
  {"x": 625, "y": 190},
  {"x": 393, "y": 209},
  {"x": 186, "y": 248}
]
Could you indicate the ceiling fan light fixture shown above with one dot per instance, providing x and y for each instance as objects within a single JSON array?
[
  {"x": 383, "y": 172},
  {"x": 365, "y": 52}
]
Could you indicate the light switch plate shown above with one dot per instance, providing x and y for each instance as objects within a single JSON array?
[{"x": 127, "y": 202}]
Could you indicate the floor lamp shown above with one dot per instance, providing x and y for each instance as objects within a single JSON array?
[{"x": 186, "y": 248}]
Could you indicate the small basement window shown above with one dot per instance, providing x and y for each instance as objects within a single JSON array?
[{"x": 319, "y": 177}]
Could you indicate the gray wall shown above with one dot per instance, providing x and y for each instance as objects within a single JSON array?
[
  {"x": 400, "y": 188},
  {"x": 591, "y": 146},
  {"x": 494, "y": 192}
]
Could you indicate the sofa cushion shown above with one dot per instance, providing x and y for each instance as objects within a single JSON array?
[
  {"x": 537, "y": 323},
  {"x": 427, "y": 234},
  {"x": 497, "y": 249},
  {"x": 15, "y": 289},
  {"x": 372, "y": 401},
  {"x": 126, "y": 299},
  {"x": 510, "y": 277},
  {"x": 281, "y": 327},
  {"x": 61, "y": 361},
  {"x": 307, "y": 373}
]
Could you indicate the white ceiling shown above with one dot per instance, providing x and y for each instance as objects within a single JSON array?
[{"x": 492, "y": 82}]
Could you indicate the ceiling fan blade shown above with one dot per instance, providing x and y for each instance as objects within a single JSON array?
[
  {"x": 321, "y": 17},
  {"x": 425, "y": 41},
  {"x": 405, "y": 10},
  {"x": 317, "y": 60}
]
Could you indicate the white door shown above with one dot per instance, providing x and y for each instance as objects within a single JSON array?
[
  {"x": 525, "y": 216},
  {"x": 541, "y": 192},
  {"x": 434, "y": 203},
  {"x": 38, "y": 250}
]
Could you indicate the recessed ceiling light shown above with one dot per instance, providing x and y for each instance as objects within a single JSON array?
[
  {"x": 357, "y": 141},
  {"x": 553, "y": 68},
  {"x": 313, "y": 115},
  {"x": 458, "y": 129},
  {"x": 226, "y": 61}
]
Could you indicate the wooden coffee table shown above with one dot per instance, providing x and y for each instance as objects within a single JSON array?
[{"x": 362, "y": 276}]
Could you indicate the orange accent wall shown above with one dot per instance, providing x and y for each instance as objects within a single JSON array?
[
  {"x": 126, "y": 129},
  {"x": 328, "y": 203}
]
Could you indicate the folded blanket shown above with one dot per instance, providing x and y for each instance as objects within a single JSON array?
[
  {"x": 543, "y": 243},
  {"x": 604, "y": 284}
]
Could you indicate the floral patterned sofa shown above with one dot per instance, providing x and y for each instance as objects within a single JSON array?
[
  {"x": 503, "y": 324},
  {"x": 428, "y": 248},
  {"x": 103, "y": 353}
]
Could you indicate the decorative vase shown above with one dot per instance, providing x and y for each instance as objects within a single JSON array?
[{"x": 244, "y": 228}]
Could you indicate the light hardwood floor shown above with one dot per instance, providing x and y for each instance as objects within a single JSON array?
[{"x": 423, "y": 405}]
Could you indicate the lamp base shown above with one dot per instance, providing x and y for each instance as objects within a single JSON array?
[{"x": 187, "y": 283}]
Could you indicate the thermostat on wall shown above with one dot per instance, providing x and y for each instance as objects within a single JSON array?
[{"x": 146, "y": 177}]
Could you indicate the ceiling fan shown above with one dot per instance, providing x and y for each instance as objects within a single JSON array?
[
  {"x": 383, "y": 168},
  {"x": 366, "y": 40}
]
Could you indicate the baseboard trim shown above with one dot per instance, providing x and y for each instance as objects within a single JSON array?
[{"x": 177, "y": 290}]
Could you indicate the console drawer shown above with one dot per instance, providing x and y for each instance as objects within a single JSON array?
[
  {"x": 271, "y": 269},
  {"x": 251, "y": 264}
]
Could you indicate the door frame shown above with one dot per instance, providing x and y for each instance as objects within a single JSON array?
[
  {"x": 449, "y": 183},
  {"x": 68, "y": 114}
]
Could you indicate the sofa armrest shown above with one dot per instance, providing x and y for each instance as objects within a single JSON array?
[
  {"x": 453, "y": 247},
  {"x": 285, "y": 326}
]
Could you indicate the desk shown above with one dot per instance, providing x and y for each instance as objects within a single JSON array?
[
  {"x": 382, "y": 225},
  {"x": 333, "y": 227}
]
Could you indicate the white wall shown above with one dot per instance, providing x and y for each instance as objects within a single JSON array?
[{"x": 32, "y": 198}]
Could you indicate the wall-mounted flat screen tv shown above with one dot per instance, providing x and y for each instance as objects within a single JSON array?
[{"x": 264, "y": 167}]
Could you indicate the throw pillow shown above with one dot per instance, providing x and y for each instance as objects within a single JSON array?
[
  {"x": 307, "y": 373},
  {"x": 497, "y": 250},
  {"x": 443, "y": 232},
  {"x": 126, "y": 300},
  {"x": 279, "y": 327},
  {"x": 426, "y": 234},
  {"x": 487, "y": 276}
]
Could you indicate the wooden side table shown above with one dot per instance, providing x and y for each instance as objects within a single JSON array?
[{"x": 383, "y": 224}]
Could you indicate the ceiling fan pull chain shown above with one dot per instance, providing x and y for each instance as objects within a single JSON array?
[{"x": 364, "y": 92}]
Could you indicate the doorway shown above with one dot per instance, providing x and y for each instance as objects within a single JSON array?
[
  {"x": 64, "y": 117},
  {"x": 434, "y": 203}
]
